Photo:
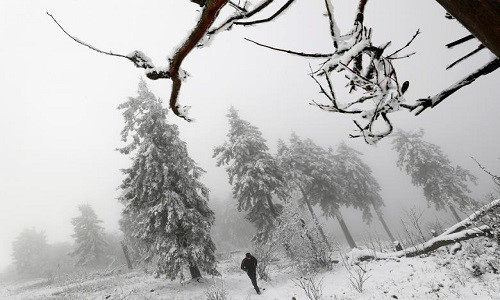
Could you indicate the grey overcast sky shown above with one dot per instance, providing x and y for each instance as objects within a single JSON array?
[{"x": 59, "y": 125}]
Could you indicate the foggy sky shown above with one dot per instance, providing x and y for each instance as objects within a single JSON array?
[{"x": 59, "y": 124}]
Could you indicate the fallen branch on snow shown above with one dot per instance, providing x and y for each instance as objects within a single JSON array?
[{"x": 452, "y": 235}]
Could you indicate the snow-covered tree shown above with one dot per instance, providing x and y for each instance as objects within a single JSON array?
[
  {"x": 443, "y": 184},
  {"x": 318, "y": 176},
  {"x": 136, "y": 247},
  {"x": 253, "y": 173},
  {"x": 361, "y": 188},
  {"x": 308, "y": 170},
  {"x": 28, "y": 251},
  {"x": 162, "y": 191},
  {"x": 303, "y": 239},
  {"x": 91, "y": 246}
]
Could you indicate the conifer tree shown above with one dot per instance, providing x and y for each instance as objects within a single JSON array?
[
  {"x": 163, "y": 193},
  {"x": 443, "y": 183},
  {"x": 29, "y": 251},
  {"x": 309, "y": 172},
  {"x": 136, "y": 247},
  {"x": 253, "y": 173},
  {"x": 362, "y": 189},
  {"x": 91, "y": 246}
]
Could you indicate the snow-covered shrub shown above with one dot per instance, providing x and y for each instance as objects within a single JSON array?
[
  {"x": 311, "y": 285},
  {"x": 356, "y": 272},
  {"x": 217, "y": 291},
  {"x": 478, "y": 258},
  {"x": 301, "y": 240},
  {"x": 265, "y": 254}
]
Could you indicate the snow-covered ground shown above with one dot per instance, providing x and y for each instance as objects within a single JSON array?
[{"x": 439, "y": 276}]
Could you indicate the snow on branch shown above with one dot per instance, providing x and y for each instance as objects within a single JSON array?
[
  {"x": 452, "y": 235},
  {"x": 374, "y": 80},
  {"x": 496, "y": 178},
  {"x": 423, "y": 104},
  {"x": 173, "y": 72}
]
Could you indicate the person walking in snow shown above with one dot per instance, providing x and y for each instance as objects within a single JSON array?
[{"x": 249, "y": 265}]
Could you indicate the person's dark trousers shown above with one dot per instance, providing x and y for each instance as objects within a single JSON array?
[{"x": 253, "y": 278}]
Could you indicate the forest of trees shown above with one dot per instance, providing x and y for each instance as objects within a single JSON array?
[{"x": 282, "y": 200}]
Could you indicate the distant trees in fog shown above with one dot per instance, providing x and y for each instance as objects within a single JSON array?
[
  {"x": 444, "y": 184},
  {"x": 29, "y": 250},
  {"x": 91, "y": 245}
]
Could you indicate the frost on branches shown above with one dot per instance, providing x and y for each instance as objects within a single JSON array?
[
  {"x": 163, "y": 193},
  {"x": 302, "y": 240},
  {"x": 91, "y": 246},
  {"x": 253, "y": 173},
  {"x": 443, "y": 183}
]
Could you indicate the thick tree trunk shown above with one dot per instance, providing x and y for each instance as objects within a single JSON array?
[
  {"x": 480, "y": 17},
  {"x": 127, "y": 256},
  {"x": 315, "y": 219},
  {"x": 346, "y": 231},
  {"x": 454, "y": 212},
  {"x": 381, "y": 218},
  {"x": 195, "y": 272}
]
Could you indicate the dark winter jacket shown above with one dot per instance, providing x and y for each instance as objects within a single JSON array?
[{"x": 249, "y": 265}]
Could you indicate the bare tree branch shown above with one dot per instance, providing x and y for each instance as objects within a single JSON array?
[
  {"x": 479, "y": 48},
  {"x": 277, "y": 13},
  {"x": 405, "y": 46},
  {"x": 85, "y": 44},
  {"x": 460, "y": 41},
  {"x": 496, "y": 178},
  {"x": 314, "y": 55}
]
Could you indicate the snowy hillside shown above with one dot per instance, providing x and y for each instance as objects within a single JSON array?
[{"x": 439, "y": 276}]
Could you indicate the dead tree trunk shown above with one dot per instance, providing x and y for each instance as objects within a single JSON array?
[
  {"x": 480, "y": 17},
  {"x": 454, "y": 213},
  {"x": 127, "y": 256},
  {"x": 345, "y": 230}
]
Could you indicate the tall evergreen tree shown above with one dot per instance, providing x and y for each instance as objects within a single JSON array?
[
  {"x": 136, "y": 247},
  {"x": 253, "y": 173},
  {"x": 163, "y": 193},
  {"x": 309, "y": 172},
  {"x": 443, "y": 183},
  {"x": 362, "y": 189},
  {"x": 91, "y": 246},
  {"x": 29, "y": 252}
]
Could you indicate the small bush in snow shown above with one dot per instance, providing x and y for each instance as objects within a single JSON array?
[
  {"x": 311, "y": 285},
  {"x": 216, "y": 292},
  {"x": 478, "y": 258}
]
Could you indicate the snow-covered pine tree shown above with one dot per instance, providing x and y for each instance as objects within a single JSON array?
[
  {"x": 163, "y": 192},
  {"x": 308, "y": 172},
  {"x": 91, "y": 246},
  {"x": 136, "y": 247},
  {"x": 28, "y": 251},
  {"x": 362, "y": 189},
  {"x": 443, "y": 184},
  {"x": 253, "y": 173}
]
